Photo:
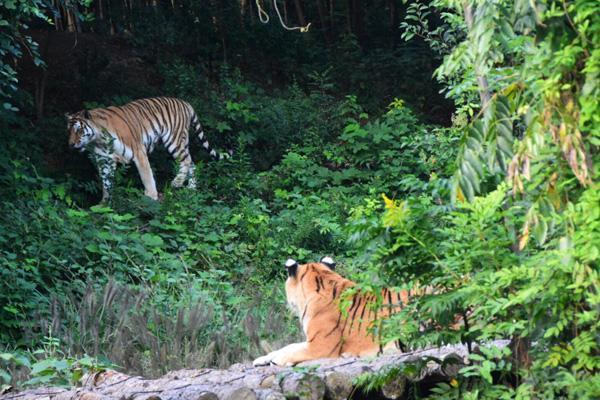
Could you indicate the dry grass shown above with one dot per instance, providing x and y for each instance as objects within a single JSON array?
[{"x": 122, "y": 325}]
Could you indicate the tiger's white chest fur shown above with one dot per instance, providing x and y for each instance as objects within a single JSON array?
[{"x": 109, "y": 145}]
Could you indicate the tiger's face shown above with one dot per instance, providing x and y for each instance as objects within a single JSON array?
[
  {"x": 81, "y": 130},
  {"x": 306, "y": 279}
]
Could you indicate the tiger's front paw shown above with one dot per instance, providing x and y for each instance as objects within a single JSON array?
[
  {"x": 264, "y": 360},
  {"x": 281, "y": 360}
]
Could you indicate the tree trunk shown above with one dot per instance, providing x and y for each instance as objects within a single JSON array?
[
  {"x": 218, "y": 26},
  {"x": 323, "y": 21},
  {"x": 349, "y": 16},
  {"x": 484, "y": 91},
  {"x": 331, "y": 15},
  {"x": 300, "y": 12},
  {"x": 71, "y": 24},
  {"x": 40, "y": 91},
  {"x": 358, "y": 20},
  {"x": 251, "y": 11},
  {"x": 331, "y": 379},
  {"x": 393, "y": 22}
]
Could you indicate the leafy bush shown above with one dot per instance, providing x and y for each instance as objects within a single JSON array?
[
  {"x": 47, "y": 366},
  {"x": 513, "y": 248}
]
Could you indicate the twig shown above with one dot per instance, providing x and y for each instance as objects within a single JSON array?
[
  {"x": 340, "y": 365},
  {"x": 233, "y": 380},
  {"x": 208, "y": 371},
  {"x": 119, "y": 382}
]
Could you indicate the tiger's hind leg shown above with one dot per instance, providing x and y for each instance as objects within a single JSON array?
[
  {"x": 186, "y": 170},
  {"x": 192, "y": 184}
]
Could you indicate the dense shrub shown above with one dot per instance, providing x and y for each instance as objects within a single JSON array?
[{"x": 197, "y": 279}]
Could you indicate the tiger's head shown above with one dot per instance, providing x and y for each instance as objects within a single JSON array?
[
  {"x": 306, "y": 280},
  {"x": 82, "y": 130}
]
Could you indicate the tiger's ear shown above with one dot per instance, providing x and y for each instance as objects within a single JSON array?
[
  {"x": 292, "y": 267},
  {"x": 328, "y": 261},
  {"x": 68, "y": 116},
  {"x": 86, "y": 114}
]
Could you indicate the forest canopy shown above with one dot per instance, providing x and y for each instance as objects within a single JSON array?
[{"x": 445, "y": 143}]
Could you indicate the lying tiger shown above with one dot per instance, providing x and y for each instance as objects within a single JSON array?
[
  {"x": 313, "y": 291},
  {"x": 130, "y": 132}
]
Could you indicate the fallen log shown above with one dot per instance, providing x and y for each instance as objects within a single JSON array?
[{"x": 332, "y": 379}]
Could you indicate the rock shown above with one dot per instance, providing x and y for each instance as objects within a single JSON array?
[
  {"x": 338, "y": 385},
  {"x": 303, "y": 386}
]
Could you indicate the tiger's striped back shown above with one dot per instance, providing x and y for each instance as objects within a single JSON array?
[{"x": 319, "y": 289}]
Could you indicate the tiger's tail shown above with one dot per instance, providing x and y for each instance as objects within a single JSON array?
[{"x": 201, "y": 135}]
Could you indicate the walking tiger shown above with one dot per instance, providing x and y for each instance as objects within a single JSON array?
[{"x": 130, "y": 132}]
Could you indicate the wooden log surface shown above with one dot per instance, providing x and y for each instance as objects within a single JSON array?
[{"x": 331, "y": 379}]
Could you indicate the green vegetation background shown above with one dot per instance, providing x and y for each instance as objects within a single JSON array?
[{"x": 494, "y": 199}]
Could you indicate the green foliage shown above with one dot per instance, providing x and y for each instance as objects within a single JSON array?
[
  {"x": 531, "y": 155},
  {"x": 47, "y": 366},
  {"x": 491, "y": 361},
  {"x": 441, "y": 38},
  {"x": 13, "y": 21},
  {"x": 374, "y": 381}
]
